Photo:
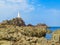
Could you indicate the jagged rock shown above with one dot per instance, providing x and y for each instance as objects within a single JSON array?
[
  {"x": 17, "y": 32},
  {"x": 29, "y": 25},
  {"x": 49, "y": 31},
  {"x": 56, "y": 36},
  {"x": 33, "y": 32},
  {"x": 14, "y": 21},
  {"x": 32, "y": 41},
  {"x": 18, "y": 22},
  {"x": 41, "y": 25},
  {"x": 5, "y": 42}
]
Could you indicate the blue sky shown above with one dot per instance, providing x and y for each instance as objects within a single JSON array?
[{"x": 32, "y": 11}]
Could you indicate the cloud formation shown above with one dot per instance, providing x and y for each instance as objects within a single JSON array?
[{"x": 16, "y": 4}]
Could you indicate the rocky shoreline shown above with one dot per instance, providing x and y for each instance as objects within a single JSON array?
[{"x": 16, "y": 32}]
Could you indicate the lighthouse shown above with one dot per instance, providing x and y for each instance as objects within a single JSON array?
[{"x": 18, "y": 15}]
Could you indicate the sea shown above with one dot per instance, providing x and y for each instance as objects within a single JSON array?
[{"x": 49, "y": 36}]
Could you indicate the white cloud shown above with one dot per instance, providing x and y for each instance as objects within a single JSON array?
[
  {"x": 16, "y": 4},
  {"x": 14, "y": 1}
]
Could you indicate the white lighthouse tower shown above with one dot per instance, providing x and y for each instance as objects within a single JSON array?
[{"x": 18, "y": 15}]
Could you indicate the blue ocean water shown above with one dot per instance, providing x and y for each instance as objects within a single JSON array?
[{"x": 49, "y": 36}]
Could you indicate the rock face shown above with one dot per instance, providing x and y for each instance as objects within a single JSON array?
[
  {"x": 18, "y": 22},
  {"x": 29, "y": 25},
  {"x": 56, "y": 36},
  {"x": 15, "y": 21},
  {"x": 11, "y": 31},
  {"x": 22, "y": 35},
  {"x": 5, "y": 42}
]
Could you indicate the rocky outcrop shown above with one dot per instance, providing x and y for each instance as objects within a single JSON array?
[
  {"x": 16, "y": 32},
  {"x": 31, "y": 41},
  {"x": 12, "y": 32},
  {"x": 21, "y": 35},
  {"x": 29, "y": 25},
  {"x": 14, "y": 21}
]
